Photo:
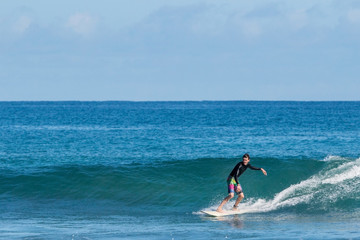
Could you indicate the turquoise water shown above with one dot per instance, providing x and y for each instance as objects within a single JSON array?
[{"x": 145, "y": 170}]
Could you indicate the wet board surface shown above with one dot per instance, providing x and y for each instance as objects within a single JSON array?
[{"x": 225, "y": 213}]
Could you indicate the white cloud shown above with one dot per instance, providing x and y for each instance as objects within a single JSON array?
[
  {"x": 251, "y": 28},
  {"x": 298, "y": 19},
  {"x": 22, "y": 24},
  {"x": 354, "y": 15},
  {"x": 82, "y": 23}
]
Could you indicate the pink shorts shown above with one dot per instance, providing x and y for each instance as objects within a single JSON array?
[{"x": 232, "y": 185}]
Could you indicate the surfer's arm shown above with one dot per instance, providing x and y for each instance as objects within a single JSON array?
[
  {"x": 255, "y": 168},
  {"x": 236, "y": 179}
]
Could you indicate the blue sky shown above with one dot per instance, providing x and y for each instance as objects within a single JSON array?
[{"x": 179, "y": 50}]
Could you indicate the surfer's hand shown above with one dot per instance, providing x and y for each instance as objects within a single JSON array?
[{"x": 264, "y": 172}]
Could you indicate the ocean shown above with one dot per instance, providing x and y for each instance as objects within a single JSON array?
[{"x": 146, "y": 170}]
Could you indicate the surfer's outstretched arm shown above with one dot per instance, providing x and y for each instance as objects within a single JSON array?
[{"x": 256, "y": 168}]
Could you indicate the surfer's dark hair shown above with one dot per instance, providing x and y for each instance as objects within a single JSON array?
[{"x": 246, "y": 155}]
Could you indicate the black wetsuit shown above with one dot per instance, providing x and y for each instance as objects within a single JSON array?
[{"x": 239, "y": 169}]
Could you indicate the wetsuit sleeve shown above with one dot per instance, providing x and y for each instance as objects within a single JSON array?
[
  {"x": 235, "y": 169},
  {"x": 236, "y": 173},
  {"x": 236, "y": 179},
  {"x": 254, "y": 168}
]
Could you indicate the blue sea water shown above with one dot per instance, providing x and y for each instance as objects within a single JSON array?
[{"x": 146, "y": 170}]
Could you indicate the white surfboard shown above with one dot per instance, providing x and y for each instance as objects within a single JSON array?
[{"x": 224, "y": 213}]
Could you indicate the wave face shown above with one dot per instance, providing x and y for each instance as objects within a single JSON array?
[{"x": 304, "y": 185}]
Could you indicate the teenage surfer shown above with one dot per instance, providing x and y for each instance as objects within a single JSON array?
[{"x": 233, "y": 182}]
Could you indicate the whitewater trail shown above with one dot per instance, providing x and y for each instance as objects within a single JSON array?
[{"x": 331, "y": 184}]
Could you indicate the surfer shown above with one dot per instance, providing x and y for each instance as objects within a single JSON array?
[{"x": 233, "y": 182}]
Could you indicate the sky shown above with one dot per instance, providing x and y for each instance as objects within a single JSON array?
[{"x": 173, "y": 50}]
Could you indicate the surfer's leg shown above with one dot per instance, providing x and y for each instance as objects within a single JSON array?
[
  {"x": 231, "y": 190},
  {"x": 240, "y": 194},
  {"x": 230, "y": 196},
  {"x": 238, "y": 200}
]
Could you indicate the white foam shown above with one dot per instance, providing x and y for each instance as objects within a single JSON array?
[
  {"x": 330, "y": 158},
  {"x": 354, "y": 172}
]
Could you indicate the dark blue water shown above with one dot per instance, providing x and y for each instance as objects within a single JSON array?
[{"x": 145, "y": 170}]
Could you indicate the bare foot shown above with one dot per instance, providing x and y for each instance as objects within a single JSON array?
[
  {"x": 235, "y": 209},
  {"x": 219, "y": 210}
]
